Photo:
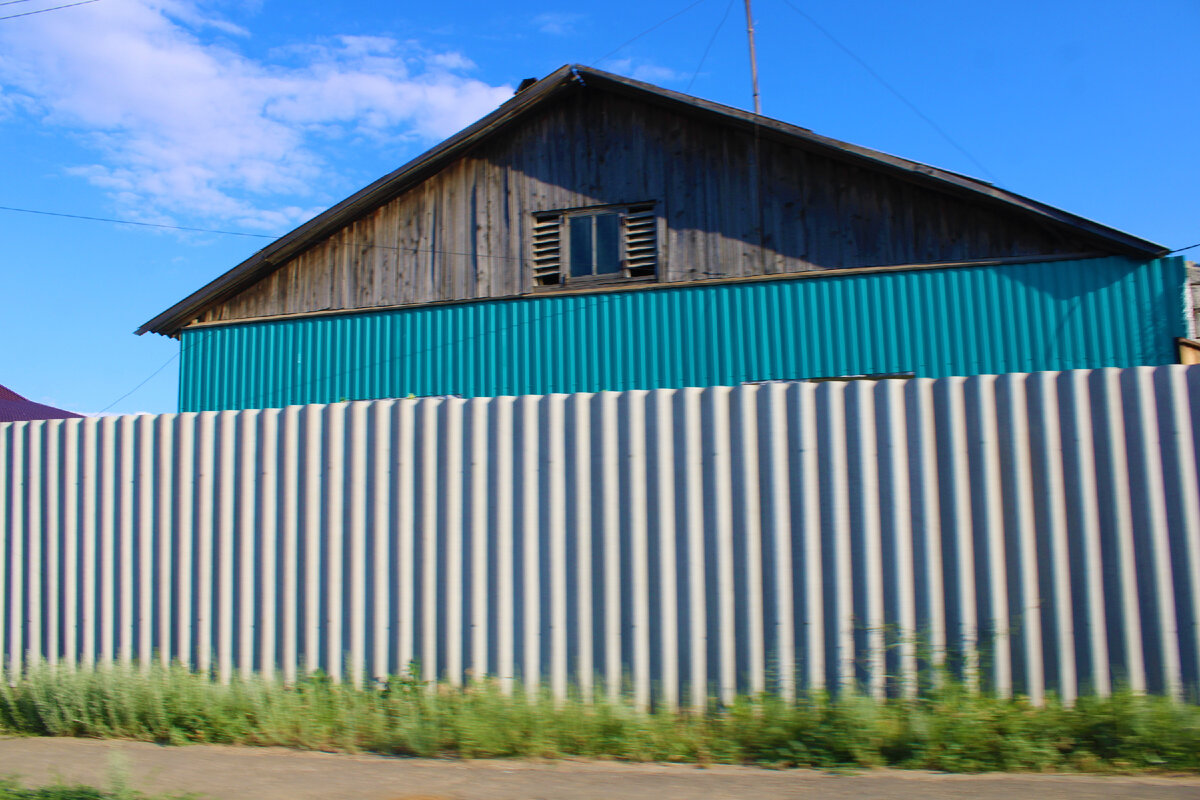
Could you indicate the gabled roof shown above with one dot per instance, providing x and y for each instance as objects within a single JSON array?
[
  {"x": 572, "y": 78},
  {"x": 15, "y": 408}
]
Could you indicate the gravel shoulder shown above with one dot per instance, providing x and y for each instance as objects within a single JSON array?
[{"x": 237, "y": 773}]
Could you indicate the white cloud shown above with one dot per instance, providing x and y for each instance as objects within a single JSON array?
[
  {"x": 558, "y": 23},
  {"x": 187, "y": 124},
  {"x": 11, "y": 103},
  {"x": 645, "y": 71}
]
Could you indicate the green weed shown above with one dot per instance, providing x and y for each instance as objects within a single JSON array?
[
  {"x": 951, "y": 729},
  {"x": 11, "y": 790}
]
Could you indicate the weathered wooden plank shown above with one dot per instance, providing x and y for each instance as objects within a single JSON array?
[{"x": 464, "y": 232}]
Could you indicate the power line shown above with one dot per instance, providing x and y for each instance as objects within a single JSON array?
[
  {"x": 279, "y": 394},
  {"x": 143, "y": 383},
  {"x": 651, "y": 29},
  {"x": 891, "y": 89},
  {"x": 44, "y": 10},
  {"x": 1180, "y": 250},
  {"x": 13, "y": 2},
  {"x": 328, "y": 242},
  {"x": 712, "y": 39},
  {"x": 164, "y": 365},
  {"x": 133, "y": 222}
]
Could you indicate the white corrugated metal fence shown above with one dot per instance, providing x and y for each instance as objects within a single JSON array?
[{"x": 1035, "y": 532}]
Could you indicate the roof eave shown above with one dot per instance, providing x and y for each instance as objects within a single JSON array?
[
  {"x": 913, "y": 170},
  {"x": 171, "y": 321}
]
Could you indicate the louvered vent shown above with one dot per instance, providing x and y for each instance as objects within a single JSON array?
[
  {"x": 641, "y": 240},
  {"x": 547, "y": 259},
  {"x": 638, "y": 245}
]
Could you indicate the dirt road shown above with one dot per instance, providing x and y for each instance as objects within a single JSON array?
[{"x": 239, "y": 773}]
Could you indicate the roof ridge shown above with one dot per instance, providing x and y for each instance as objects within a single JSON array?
[{"x": 572, "y": 76}]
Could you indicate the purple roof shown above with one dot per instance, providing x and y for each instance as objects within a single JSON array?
[{"x": 14, "y": 408}]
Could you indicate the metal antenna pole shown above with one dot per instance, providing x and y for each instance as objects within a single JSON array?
[{"x": 753, "y": 58}]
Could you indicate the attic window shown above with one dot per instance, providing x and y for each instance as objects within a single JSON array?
[{"x": 595, "y": 244}]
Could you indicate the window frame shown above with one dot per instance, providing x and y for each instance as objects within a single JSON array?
[
  {"x": 551, "y": 245},
  {"x": 567, "y": 247}
]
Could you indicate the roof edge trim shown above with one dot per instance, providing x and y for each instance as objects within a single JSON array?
[{"x": 569, "y": 77}]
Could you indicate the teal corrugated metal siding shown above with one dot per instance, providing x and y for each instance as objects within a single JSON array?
[{"x": 1110, "y": 312}]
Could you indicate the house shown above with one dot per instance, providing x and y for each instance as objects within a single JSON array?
[
  {"x": 15, "y": 408},
  {"x": 596, "y": 232}
]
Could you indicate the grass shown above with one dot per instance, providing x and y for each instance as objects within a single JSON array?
[
  {"x": 953, "y": 730},
  {"x": 12, "y": 791}
]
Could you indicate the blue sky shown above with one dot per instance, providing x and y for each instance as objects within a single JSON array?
[{"x": 250, "y": 117}]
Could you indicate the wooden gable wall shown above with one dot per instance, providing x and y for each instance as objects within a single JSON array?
[{"x": 732, "y": 204}]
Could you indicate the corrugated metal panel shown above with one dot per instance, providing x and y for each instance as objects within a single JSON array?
[
  {"x": 1040, "y": 532},
  {"x": 933, "y": 323}
]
